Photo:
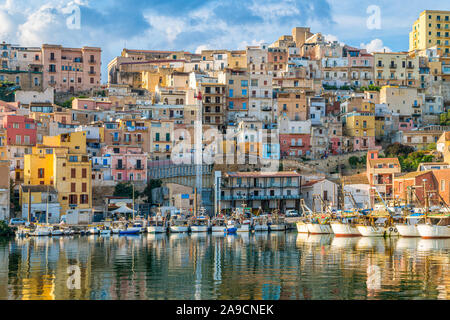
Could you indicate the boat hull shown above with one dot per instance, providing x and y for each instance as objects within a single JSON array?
[
  {"x": 199, "y": 228},
  {"x": 314, "y": 228},
  {"x": 407, "y": 230},
  {"x": 179, "y": 229},
  {"x": 261, "y": 228},
  {"x": 156, "y": 229},
  {"x": 57, "y": 233},
  {"x": 428, "y": 231},
  {"x": 277, "y": 227},
  {"x": 218, "y": 229},
  {"x": 302, "y": 227},
  {"x": 134, "y": 230},
  {"x": 231, "y": 230},
  {"x": 94, "y": 231},
  {"x": 344, "y": 230},
  {"x": 370, "y": 231},
  {"x": 244, "y": 228},
  {"x": 105, "y": 232}
]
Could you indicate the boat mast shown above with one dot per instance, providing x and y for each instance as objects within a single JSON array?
[
  {"x": 133, "y": 200},
  {"x": 198, "y": 133},
  {"x": 46, "y": 211}
]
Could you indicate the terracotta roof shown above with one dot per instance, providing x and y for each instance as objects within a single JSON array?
[
  {"x": 414, "y": 174},
  {"x": 373, "y": 162},
  {"x": 311, "y": 183}
]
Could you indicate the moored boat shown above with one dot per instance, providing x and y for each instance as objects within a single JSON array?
[
  {"x": 42, "y": 231},
  {"x": 218, "y": 225},
  {"x": 341, "y": 229},
  {"x": 260, "y": 223},
  {"x": 435, "y": 228},
  {"x": 200, "y": 224},
  {"x": 302, "y": 227},
  {"x": 157, "y": 224},
  {"x": 178, "y": 224}
]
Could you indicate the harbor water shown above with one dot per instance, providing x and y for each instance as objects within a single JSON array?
[{"x": 243, "y": 266}]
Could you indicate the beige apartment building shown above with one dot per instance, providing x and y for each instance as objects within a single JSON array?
[
  {"x": 432, "y": 28},
  {"x": 71, "y": 69},
  {"x": 396, "y": 68}
]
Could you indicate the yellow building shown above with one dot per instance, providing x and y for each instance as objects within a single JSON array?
[
  {"x": 443, "y": 146},
  {"x": 402, "y": 100},
  {"x": 432, "y": 28},
  {"x": 3, "y": 147},
  {"x": 360, "y": 124},
  {"x": 237, "y": 59},
  {"x": 62, "y": 162},
  {"x": 396, "y": 68}
]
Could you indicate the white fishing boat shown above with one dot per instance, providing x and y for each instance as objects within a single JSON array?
[
  {"x": 69, "y": 232},
  {"x": 409, "y": 227},
  {"x": 317, "y": 228},
  {"x": 178, "y": 224},
  {"x": 42, "y": 231},
  {"x": 319, "y": 225},
  {"x": 260, "y": 223},
  {"x": 245, "y": 226},
  {"x": 200, "y": 224},
  {"x": 302, "y": 227},
  {"x": 157, "y": 224},
  {"x": 218, "y": 225},
  {"x": 277, "y": 222},
  {"x": 435, "y": 228},
  {"x": 342, "y": 229},
  {"x": 105, "y": 232},
  {"x": 371, "y": 231},
  {"x": 57, "y": 232}
]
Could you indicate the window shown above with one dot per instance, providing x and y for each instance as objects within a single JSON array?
[
  {"x": 84, "y": 173},
  {"x": 84, "y": 199},
  {"x": 41, "y": 173},
  {"x": 73, "y": 199},
  {"x": 73, "y": 187},
  {"x": 84, "y": 187},
  {"x": 73, "y": 173}
]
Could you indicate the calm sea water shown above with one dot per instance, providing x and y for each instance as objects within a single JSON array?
[{"x": 247, "y": 266}]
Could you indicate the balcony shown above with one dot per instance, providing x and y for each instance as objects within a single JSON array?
[
  {"x": 393, "y": 66},
  {"x": 92, "y": 61},
  {"x": 120, "y": 167},
  {"x": 139, "y": 168},
  {"x": 410, "y": 66},
  {"x": 92, "y": 73}
]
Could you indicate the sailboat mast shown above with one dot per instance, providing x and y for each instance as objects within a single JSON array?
[{"x": 46, "y": 211}]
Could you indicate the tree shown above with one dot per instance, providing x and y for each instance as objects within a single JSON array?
[
  {"x": 147, "y": 193},
  {"x": 397, "y": 150},
  {"x": 125, "y": 190}
]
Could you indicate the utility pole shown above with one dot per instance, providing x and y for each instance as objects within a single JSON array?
[{"x": 133, "y": 200}]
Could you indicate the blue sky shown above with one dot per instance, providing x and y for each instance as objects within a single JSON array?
[{"x": 205, "y": 24}]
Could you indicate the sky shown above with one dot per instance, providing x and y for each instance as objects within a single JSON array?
[{"x": 193, "y": 25}]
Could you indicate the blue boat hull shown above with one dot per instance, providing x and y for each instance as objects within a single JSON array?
[
  {"x": 231, "y": 230},
  {"x": 124, "y": 232}
]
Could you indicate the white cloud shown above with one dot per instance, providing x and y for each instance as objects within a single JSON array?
[
  {"x": 201, "y": 48},
  {"x": 376, "y": 45},
  {"x": 6, "y": 25},
  {"x": 330, "y": 37}
]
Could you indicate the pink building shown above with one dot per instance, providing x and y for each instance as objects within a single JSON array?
[
  {"x": 295, "y": 145},
  {"x": 363, "y": 143},
  {"x": 127, "y": 163},
  {"x": 71, "y": 69},
  {"x": 406, "y": 125},
  {"x": 336, "y": 145},
  {"x": 20, "y": 130},
  {"x": 90, "y": 104}
]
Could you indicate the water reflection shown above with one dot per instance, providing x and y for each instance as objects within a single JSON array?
[{"x": 219, "y": 266}]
